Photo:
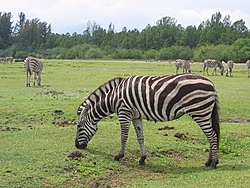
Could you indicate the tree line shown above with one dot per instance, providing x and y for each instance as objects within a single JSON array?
[{"x": 217, "y": 38}]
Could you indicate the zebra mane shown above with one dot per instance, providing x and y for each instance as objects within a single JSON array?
[{"x": 101, "y": 90}]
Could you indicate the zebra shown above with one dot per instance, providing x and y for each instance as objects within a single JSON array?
[
  {"x": 8, "y": 59},
  {"x": 229, "y": 65},
  {"x": 33, "y": 65},
  {"x": 155, "y": 98},
  {"x": 248, "y": 67},
  {"x": 184, "y": 64},
  {"x": 212, "y": 63}
]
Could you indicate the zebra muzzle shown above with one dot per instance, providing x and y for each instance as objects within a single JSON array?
[{"x": 80, "y": 146}]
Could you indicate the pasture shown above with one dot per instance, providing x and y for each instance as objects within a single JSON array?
[{"x": 38, "y": 126}]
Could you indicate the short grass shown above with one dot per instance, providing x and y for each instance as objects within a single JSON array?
[{"x": 37, "y": 132}]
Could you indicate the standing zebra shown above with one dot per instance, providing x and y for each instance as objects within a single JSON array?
[
  {"x": 156, "y": 98},
  {"x": 184, "y": 64},
  {"x": 33, "y": 65},
  {"x": 248, "y": 67},
  {"x": 230, "y": 65},
  {"x": 213, "y": 63}
]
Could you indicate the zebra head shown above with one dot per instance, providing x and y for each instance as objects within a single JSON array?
[{"x": 85, "y": 126}]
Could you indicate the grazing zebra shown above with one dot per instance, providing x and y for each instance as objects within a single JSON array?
[
  {"x": 184, "y": 64},
  {"x": 213, "y": 63},
  {"x": 248, "y": 67},
  {"x": 33, "y": 65},
  {"x": 156, "y": 98},
  {"x": 230, "y": 65}
]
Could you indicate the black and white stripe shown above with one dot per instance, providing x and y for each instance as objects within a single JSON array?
[
  {"x": 213, "y": 63},
  {"x": 248, "y": 67},
  {"x": 182, "y": 64},
  {"x": 33, "y": 66},
  {"x": 156, "y": 98},
  {"x": 230, "y": 66}
]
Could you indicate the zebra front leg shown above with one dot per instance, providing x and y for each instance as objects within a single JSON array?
[
  {"x": 139, "y": 132},
  {"x": 124, "y": 137}
]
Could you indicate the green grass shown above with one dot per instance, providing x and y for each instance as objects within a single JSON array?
[{"x": 36, "y": 140}]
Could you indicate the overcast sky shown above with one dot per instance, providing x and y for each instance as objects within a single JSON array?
[{"x": 73, "y": 15}]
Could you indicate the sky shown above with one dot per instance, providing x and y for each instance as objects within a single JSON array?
[{"x": 69, "y": 16}]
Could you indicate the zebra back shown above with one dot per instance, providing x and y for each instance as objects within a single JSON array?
[{"x": 33, "y": 65}]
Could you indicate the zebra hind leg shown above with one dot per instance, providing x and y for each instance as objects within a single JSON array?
[{"x": 212, "y": 138}]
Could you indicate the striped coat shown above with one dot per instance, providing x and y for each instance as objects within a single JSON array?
[
  {"x": 182, "y": 64},
  {"x": 230, "y": 66},
  {"x": 155, "y": 98},
  {"x": 33, "y": 66},
  {"x": 212, "y": 63},
  {"x": 248, "y": 67}
]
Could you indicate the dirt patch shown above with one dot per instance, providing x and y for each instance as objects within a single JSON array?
[
  {"x": 7, "y": 128},
  {"x": 169, "y": 153},
  {"x": 75, "y": 155},
  {"x": 181, "y": 136},
  {"x": 64, "y": 123},
  {"x": 58, "y": 112},
  {"x": 165, "y": 128},
  {"x": 237, "y": 120}
]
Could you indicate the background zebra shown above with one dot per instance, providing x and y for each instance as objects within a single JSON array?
[
  {"x": 184, "y": 64},
  {"x": 213, "y": 63},
  {"x": 230, "y": 65},
  {"x": 248, "y": 67},
  {"x": 33, "y": 65},
  {"x": 156, "y": 98}
]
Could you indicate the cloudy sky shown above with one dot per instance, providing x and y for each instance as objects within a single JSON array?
[{"x": 73, "y": 15}]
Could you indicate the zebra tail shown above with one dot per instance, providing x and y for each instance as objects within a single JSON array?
[{"x": 216, "y": 120}]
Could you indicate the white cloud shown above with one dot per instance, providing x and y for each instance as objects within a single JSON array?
[{"x": 69, "y": 16}]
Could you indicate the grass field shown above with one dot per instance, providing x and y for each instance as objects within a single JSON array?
[{"x": 37, "y": 132}]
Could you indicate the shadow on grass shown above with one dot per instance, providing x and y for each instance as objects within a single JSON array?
[{"x": 132, "y": 163}]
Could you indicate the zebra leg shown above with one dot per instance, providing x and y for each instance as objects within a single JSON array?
[
  {"x": 212, "y": 138},
  {"x": 177, "y": 68},
  {"x": 38, "y": 77},
  {"x": 124, "y": 137},
  {"x": 139, "y": 132},
  {"x": 207, "y": 71},
  {"x": 213, "y": 151},
  {"x": 28, "y": 79},
  {"x": 34, "y": 79}
]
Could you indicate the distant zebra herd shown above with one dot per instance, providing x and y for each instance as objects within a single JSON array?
[
  {"x": 6, "y": 59},
  {"x": 210, "y": 63}
]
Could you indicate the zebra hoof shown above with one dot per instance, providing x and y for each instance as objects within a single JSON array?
[
  {"x": 118, "y": 157},
  {"x": 142, "y": 160},
  {"x": 208, "y": 163}
]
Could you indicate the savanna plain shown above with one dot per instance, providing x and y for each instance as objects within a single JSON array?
[{"x": 38, "y": 127}]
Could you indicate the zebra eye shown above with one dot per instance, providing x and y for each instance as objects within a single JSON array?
[{"x": 79, "y": 125}]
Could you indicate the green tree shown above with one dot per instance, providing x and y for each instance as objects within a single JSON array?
[{"x": 5, "y": 30}]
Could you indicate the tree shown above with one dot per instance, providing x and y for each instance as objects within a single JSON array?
[{"x": 5, "y": 30}]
